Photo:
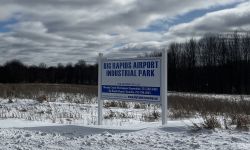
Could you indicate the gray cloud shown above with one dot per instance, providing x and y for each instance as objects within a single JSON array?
[
  {"x": 68, "y": 30},
  {"x": 228, "y": 20}
]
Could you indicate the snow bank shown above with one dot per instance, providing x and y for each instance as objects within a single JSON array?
[{"x": 149, "y": 138}]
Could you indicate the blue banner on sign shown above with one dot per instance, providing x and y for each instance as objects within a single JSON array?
[{"x": 138, "y": 90}]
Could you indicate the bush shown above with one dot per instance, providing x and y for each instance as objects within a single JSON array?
[
  {"x": 152, "y": 116},
  {"x": 42, "y": 98},
  {"x": 137, "y": 106},
  {"x": 10, "y": 100},
  {"x": 110, "y": 115},
  {"x": 241, "y": 121},
  {"x": 115, "y": 104},
  {"x": 210, "y": 122}
]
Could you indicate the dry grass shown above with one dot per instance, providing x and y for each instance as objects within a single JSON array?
[
  {"x": 34, "y": 91},
  {"x": 236, "y": 111},
  {"x": 191, "y": 105},
  {"x": 216, "y": 113}
]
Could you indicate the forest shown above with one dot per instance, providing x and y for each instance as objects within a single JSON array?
[
  {"x": 214, "y": 63},
  {"x": 80, "y": 73}
]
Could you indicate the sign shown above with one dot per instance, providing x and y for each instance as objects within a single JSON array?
[
  {"x": 137, "y": 79},
  {"x": 131, "y": 79}
]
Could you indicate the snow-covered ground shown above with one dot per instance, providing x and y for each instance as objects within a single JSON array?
[
  {"x": 70, "y": 113},
  {"x": 211, "y": 96},
  {"x": 28, "y": 124},
  {"x": 176, "y": 135}
]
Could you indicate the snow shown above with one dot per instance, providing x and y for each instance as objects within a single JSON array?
[
  {"x": 177, "y": 135},
  {"x": 69, "y": 113},
  {"x": 20, "y": 123},
  {"x": 27, "y": 124},
  {"x": 211, "y": 96}
]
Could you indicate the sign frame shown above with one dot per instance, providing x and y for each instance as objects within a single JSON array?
[{"x": 163, "y": 85}]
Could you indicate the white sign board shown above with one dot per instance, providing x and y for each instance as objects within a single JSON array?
[
  {"x": 137, "y": 79},
  {"x": 131, "y": 79}
]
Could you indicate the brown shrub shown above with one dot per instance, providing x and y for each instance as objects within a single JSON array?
[{"x": 42, "y": 98}]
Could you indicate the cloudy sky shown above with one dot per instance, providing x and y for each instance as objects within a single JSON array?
[{"x": 63, "y": 31}]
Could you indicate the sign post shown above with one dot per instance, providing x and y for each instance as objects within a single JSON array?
[
  {"x": 164, "y": 88},
  {"x": 100, "y": 101},
  {"x": 133, "y": 79}
]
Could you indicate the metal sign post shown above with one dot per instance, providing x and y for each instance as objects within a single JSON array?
[
  {"x": 164, "y": 88},
  {"x": 99, "y": 99}
]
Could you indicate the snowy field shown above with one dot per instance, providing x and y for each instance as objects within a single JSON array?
[
  {"x": 211, "y": 96},
  {"x": 29, "y": 124},
  {"x": 176, "y": 135}
]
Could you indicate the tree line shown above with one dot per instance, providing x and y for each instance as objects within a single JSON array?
[
  {"x": 215, "y": 63},
  {"x": 80, "y": 73}
]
